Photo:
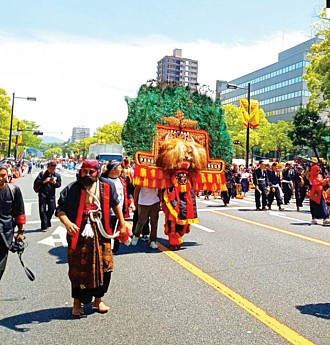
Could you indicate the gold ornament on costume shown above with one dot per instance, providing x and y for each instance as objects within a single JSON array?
[{"x": 181, "y": 121}]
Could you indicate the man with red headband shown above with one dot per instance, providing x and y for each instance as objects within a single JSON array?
[
  {"x": 84, "y": 209},
  {"x": 11, "y": 215}
]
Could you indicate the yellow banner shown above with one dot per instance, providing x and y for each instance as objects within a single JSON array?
[{"x": 252, "y": 118}]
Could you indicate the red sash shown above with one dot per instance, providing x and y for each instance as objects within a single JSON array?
[{"x": 105, "y": 213}]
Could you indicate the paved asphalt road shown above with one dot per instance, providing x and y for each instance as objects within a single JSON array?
[{"x": 241, "y": 277}]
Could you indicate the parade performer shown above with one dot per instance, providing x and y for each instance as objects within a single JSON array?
[
  {"x": 260, "y": 180},
  {"x": 182, "y": 160},
  {"x": 12, "y": 214},
  {"x": 317, "y": 196},
  {"x": 300, "y": 186},
  {"x": 181, "y": 167},
  {"x": 124, "y": 189},
  {"x": 45, "y": 185},
  {"x": 84, "y": 209}
]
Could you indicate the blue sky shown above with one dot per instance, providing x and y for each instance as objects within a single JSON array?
[{"x": 80, "y": 58}]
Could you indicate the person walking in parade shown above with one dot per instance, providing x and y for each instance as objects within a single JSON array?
[
  {"x": 148, "y": 210},
  {"x": 300, "y": 186},
  {"x": 84, "y": 209},
  {"x": 124, "y": 190},
  {"x": 45, "y": 185},
  {"x": 245, "y": 180},
  {"x": 317, "y": 196},
  {"x": 227, "y": 194},
  {"x": 275, "y": 187},
  {"x": 12, "y": 214},
  {"x": 260, "y": 180},
  {"x": 287, "y": 184}
]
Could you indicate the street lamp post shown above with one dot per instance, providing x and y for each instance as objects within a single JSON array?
[
  {"x": 12, "y": 118},
  {"x": 247, "y": 147},
  {"x": 248, "y": 128}
]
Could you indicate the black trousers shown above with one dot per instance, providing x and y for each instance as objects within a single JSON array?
[
  {"x": 300, "y": 194},
  {"x": 47, "y": 207},
  {"x": 275, "y": 194},
  {"x": 261, "y": 192},
  {"x": 3, "y": 256},
  {"x": 225, "y": 196},
  {"x": 86, "y": 295},
  {"x": 287, "y": 191}
]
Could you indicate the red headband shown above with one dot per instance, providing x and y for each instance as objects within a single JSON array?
[{"x": 90, "y": 163}]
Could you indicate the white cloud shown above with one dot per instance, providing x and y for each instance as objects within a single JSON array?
[{"x": 82, "y": 82}]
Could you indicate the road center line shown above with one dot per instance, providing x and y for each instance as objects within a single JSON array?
[
  {"x": 286, "y": 332},
  {"x": 286, "y": 232},
  {"x": 277, "y": 326}
]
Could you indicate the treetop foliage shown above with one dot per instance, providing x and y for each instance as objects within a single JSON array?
[{"x": 156, "y": 101}]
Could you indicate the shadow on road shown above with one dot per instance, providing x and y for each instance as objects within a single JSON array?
[
  {"x": 61, "y": 253},
  {"x": 39, "y": 316},
  {"x": 301, "y": 223},
  {"x": 144, "y": 247},
  {"x": 321, "y": 310}
]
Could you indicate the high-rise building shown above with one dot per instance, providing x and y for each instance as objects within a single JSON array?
[
  {"x": 175, "y": 68},
  {"x": 279, "y": 88},
  {"x": 79, "y": 133}
]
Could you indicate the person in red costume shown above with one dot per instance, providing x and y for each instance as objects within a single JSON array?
[
  {"x": 84, "y": 209},
  {"x": 182, "y": 160},
  {"x": 180, "y": 166},
  {"x": 317, "y": 197}
]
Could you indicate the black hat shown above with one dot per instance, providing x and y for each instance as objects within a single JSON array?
[
  {"x": 113, "y": 165},
  {"x": 299, "y": 167}
]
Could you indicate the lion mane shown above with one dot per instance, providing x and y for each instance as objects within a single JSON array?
[{"x": 173, "y": 152}]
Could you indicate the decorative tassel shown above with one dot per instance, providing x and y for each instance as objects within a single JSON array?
[{"x": 88, "y": 230}]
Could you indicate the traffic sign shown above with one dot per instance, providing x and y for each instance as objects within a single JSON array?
[{"x": 16, "y": 133}]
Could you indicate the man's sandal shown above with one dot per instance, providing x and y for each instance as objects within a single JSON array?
[{"x": 101, "y": 308}]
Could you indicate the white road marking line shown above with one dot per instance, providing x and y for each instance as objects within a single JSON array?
[
  {"x": 282, "y": 215},
  {"x": 203, "y": 228},
  {"x": 208, "y": 202},
  {"x": 28, "y": 208},
  {"x": 38, "y": 221},
  {"x": 50, "y": 240}
]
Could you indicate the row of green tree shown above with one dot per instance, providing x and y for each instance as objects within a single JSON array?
[{"x": 109, "y": 133}]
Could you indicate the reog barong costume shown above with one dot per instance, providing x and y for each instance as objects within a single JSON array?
[{"x": 179, "y": 165}]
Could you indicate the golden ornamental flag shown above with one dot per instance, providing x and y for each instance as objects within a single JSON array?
[{"x": 253, "y": 117}]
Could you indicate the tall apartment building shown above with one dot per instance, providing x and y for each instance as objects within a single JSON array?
[
  {"x": 279, "y": 88},
  {"x": 175, "y": 68},
  {"x": 79, "y": 133}
]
